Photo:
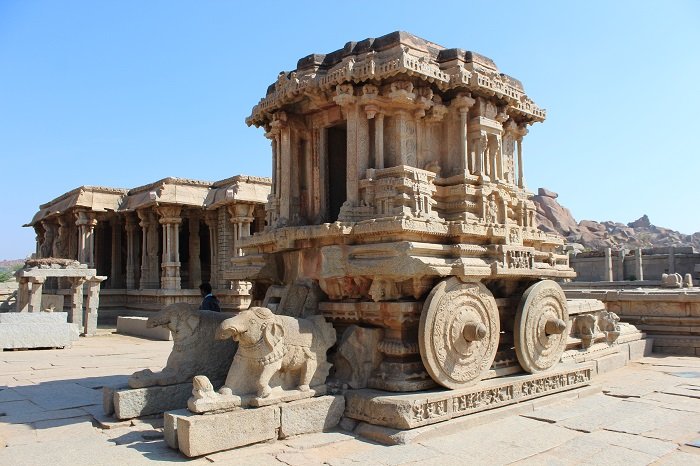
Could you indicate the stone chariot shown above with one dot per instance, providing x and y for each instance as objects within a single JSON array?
[{"x": 399, "y": 204}]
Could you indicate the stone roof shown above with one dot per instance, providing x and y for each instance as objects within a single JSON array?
[
  {"x": 171, "y": 190},
  {"x": 396, "y": 54}
]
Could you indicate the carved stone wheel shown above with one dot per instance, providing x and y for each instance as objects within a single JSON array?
[
  {"x": 458, "y": 333},
  {"x": 540, "y": 326}
]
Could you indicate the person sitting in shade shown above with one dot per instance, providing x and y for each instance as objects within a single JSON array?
[{"x": 209, "y": 301}]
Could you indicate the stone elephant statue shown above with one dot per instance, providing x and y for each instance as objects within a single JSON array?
[
  {"x": 195, "y": 349},
  {"x": 275, "y": 353}
]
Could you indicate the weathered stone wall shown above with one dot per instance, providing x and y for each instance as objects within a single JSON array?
[{"x": 591, "y": 267}]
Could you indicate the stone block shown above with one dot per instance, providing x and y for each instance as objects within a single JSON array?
[
  {"x": 33, "y": 317},
  {"x": 136, "y": 326},
  {"x": 640, "y": 348},
  {"x": 135, "y": 402},
  {"x": 311, "y": 415},
  {"x": 170, "y": 426},
  {"x": 199, "y": 434},
  {"x": 35, "y": 335},
  {"x": 612, "y": 361}
]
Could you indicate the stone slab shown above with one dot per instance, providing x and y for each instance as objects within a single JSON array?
[
  {"x": 200, "y": 434},
  {"x": 135, "y": 402},
  {"x": 33, "y": 317},
  {"x": 35, "y": 335},
  {"x": 136, "y": 326},
  {"x": 311, "y": 415},
  {"x": 407, "y": 411}
]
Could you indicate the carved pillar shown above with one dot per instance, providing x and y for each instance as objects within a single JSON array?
[
  {"x": 323, "y": 174},
  {"x": 521, "y": 177},
  {"x": 131, "y": 254},
  {"x": 35, "y": 294},
  {"x": 285, "y": 167},
  {"x": 195, "y": 265},
  {"x": 170, "y": 220},
  {"x": 241, "y": 218},
  {"x": 50, "y": 230},
  {"x": 75, "y": 314},
  {"x": 379, "y": 141},
  {"x": 116, "y": 279},
  {"x": 211, "y": 220},
  {"x": 62, "y": 243},
  {"x": 149, "y": 250},
  {"x": 86, "y": 223},
  {"x": 39, "y": 238},
  {"x": 353, "y": 158},
  {"x": 463, "y": 103},
  {"x": 482, "y": 147}
]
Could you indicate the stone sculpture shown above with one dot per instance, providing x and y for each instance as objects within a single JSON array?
[
  {"x": 195, "y": 349},
  {"x": 671, "y": 280},
  {"x": 279, "y": 358}
]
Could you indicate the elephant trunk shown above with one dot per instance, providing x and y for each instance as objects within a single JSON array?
[{"x": 229, "y": 328}]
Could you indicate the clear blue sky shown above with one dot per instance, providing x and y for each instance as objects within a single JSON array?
[{"x": 122, "y": 93}]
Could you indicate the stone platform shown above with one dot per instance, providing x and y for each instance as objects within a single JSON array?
[
  {"x": 411, "y": 410},
  {"x": 36, "y": 330},
  {"x": 201, "y": 434}
]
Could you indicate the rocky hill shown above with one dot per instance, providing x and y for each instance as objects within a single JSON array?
[{"x": 589, "y": 234}]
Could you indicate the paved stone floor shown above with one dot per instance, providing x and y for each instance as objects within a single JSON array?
[{"x": 51, "y": 415}]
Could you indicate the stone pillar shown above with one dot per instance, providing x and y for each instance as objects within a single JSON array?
[
  {"x": 323, "y": 173},
  {"x": 50, "y": 230},
  {"x": 621, "y": 265},
  {"x": 211, "y": 219},
  {"x": 75, "y": 314},
  {"x": 116, "y": 279},
  {"x": 463, "y": 103},
  {"x": 638, "y": 267},
  {"x": 608, "y": 272},
  {"x": 35, "y": 294},
  {"x": 195, "y": 265},
  {"x": 170, "y": 220},
  {"x": 91, "y": 306},
  {"x": 241, "y": 218},
  {"x": 285, "y": 192},
  {"x": 62, "y": 243},
  {"x": 379, "y": 141},
  {"x": 23, "y": 295},
  {"x": 131, "y": 252},
  {"x": 39, "y": 239},
  {"x": 149, "y": 250},
  {"x": 352, "y": 185},
  {"x": 86, "y": 223},
  {"x": 521, "y": 177},
  {"x": 671, "y": 259}
]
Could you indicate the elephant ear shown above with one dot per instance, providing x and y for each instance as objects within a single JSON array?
[{"x": 273, "y": 333}]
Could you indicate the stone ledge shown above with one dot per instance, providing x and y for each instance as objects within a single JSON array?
[
  {"x": 35, "y": 330},
  {"x": 136, "y": 326},
  {"x": 390, "y": 436},
  {"x": 407, "y": 411}
]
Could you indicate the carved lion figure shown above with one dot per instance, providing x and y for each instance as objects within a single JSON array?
[
  {"x": 273, "y": 351},
  {"x": 195, "y": 348}
]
